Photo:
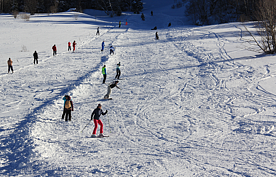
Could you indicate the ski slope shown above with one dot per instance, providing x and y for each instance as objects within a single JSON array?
[{"x": 196, "y": 102}]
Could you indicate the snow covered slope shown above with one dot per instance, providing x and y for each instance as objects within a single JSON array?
[{"x": 195, "y": 102}]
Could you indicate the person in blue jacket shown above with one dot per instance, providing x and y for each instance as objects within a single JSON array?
[
  {"x": 96, "y": 116},
  {"x": 102, "y": 46},
  {"x": 68, "y": 107},
  {"x": 112, "y": 49}
]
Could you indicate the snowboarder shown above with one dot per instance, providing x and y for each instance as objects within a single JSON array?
[
  {"x": 102, "y": 46},
  {"x": 10, "y": 65},
  {"x": 151, "y": 13},
  {"x": 111, "y": 86},
  {"x": 120, "y": 23},
  {"x": 104, "y": 73},
  {"x": 54, "y": 50},
  {"x": 118, "y": 71},
  {"x": 69, "y": 46},
  {"x": 74, "y": 46},
  {"x": 143, "y": 17},
  {"x": 98, "y": 31},
  {"x": 112, "y": 49},
  {"x": 35, "y": 57},
  {"x": 68, "y": 107},
  {"x": 156, "y": 36},
  {"x": 96, "y": 115}
]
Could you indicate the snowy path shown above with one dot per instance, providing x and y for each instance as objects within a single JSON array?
[{"x": 188, "y": 107}]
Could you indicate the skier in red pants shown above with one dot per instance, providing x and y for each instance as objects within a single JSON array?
[
  {"x": 96, "y": 114},
  {"x": 74, "y": 46}
]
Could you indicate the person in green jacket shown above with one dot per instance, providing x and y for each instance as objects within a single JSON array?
[{"x": 104, "y": 73}]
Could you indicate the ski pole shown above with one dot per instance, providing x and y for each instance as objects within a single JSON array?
[
  {"x": 108, "y": 123},
  {"x": 86, "y": 125}
]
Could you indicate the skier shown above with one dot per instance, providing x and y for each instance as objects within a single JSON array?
[
  {"x": 96, "y": 115},
  {"x": 143, "y": 17},
  {"x": 102, "y": 46},
  {"x": 74, "y": 46},
  {"x": 68, "y": 107},
  {"x": 35, "y": 57},
  {"x": 120, "y": 23},
  {"x": 126, "y": 22},
  {"x": 170, "y": 24},
  {"x": 111, "y": 86},
  {"x": 10, "y": 65},
  {"x": 54, "y": 50},
  {"x": 98, "y": 31},
  {"x": 151, "y": 13},
  {"x": 69, "y": 46},
  {"x": 156, "y": 36},
  {"x": 155, "y": 28},
  {"x": 118, "y": 71},
  {"x": 104, "y": 73},
  {"x": 112, "y": 49}
]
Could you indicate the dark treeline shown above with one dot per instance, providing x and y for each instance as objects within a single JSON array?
[
  {"x": 221, "y": 11},
  {"x": 111, "y": 7}
]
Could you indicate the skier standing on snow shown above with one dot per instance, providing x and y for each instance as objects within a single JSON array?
[
  {"x": 112, "y": 50},
  {"x": 98, "y": 31},
  {"x": 96, "y": 115},
  {"x": 156, "y": 36},
  {"x": 102, "y": 46},
  {"x": 104, "y": 73},
  {"x": 118, "y": 71},
  {"x": 10, "y": 65},
  {"x": 35, "y": 57},
  {"x": 120, "y": 23},
  {"x": 143, "y": 17},
  {"x": 74, "y": 46},
  {"x": 151, "y": 13},
  {"x": 111, "y": 86},
  {"x": 69, "y": 46},
  {"x": 54, "y": 50},
  {"x": 68, "y": 107}
]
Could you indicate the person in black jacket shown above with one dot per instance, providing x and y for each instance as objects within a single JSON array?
[
  {"x": 111, "y": 86},
  {"x": 96, "y": 115},
  {"x": 35, "y": 57}
]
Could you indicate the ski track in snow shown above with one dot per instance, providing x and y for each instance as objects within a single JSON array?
[{"x": 186, "y": 108}]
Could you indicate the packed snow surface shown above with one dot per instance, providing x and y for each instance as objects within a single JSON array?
[{"x": 196, "y": 102}]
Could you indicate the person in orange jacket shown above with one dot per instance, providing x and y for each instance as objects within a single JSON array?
[{"x": 10, "y": 65}]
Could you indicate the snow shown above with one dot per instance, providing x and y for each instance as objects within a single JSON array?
[{"x": 196, "y": 102}]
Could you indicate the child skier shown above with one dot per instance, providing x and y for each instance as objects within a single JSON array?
[
  {"x": 104, "y": 73},
  {"x": 118, "y": 71},
  {"x": 74, "y": 46},
  {"x": 102, "y": 46},
  {"x": 10, "y": 65},
  {"x": 96, "y": 115},
  {"x": 112, "y": 50},
  {"x": 35, "y": 57},
  {"x": 111, "y": 86},
  {"x": 54, "y": 50},
  {"x": 68, "y": 107}
]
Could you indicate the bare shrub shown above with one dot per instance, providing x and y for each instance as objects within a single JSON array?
[
  {"x": 265, "y": 26},
  {"x": 15, "y": 13},
  {"x": 25, "y": 16}
]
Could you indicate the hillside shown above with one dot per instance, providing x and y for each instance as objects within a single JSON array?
[{"x": 196, "y": 102}]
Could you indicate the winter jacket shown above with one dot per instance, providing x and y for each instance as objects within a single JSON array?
[
  {"x": 74, "y": 44},
  {"x": 35, "y": 55},
  {"x": 10, "y": 62},
  {"x": 69, "y": 44},
  {"x": 118, "y": 68},
  {"x": 114, "y": 84},
  {"x": 97, "y": 113},
  {"x": 104, "y": 70},
  {"x": 54, "y": 48},
  {"x": 71, "y": 102}
]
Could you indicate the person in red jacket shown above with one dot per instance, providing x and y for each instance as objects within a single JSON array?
[
  {"x": 54, "y": 50},
  {"x": 69, "y": 46},
  {"x": 74, "y": 46}
]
